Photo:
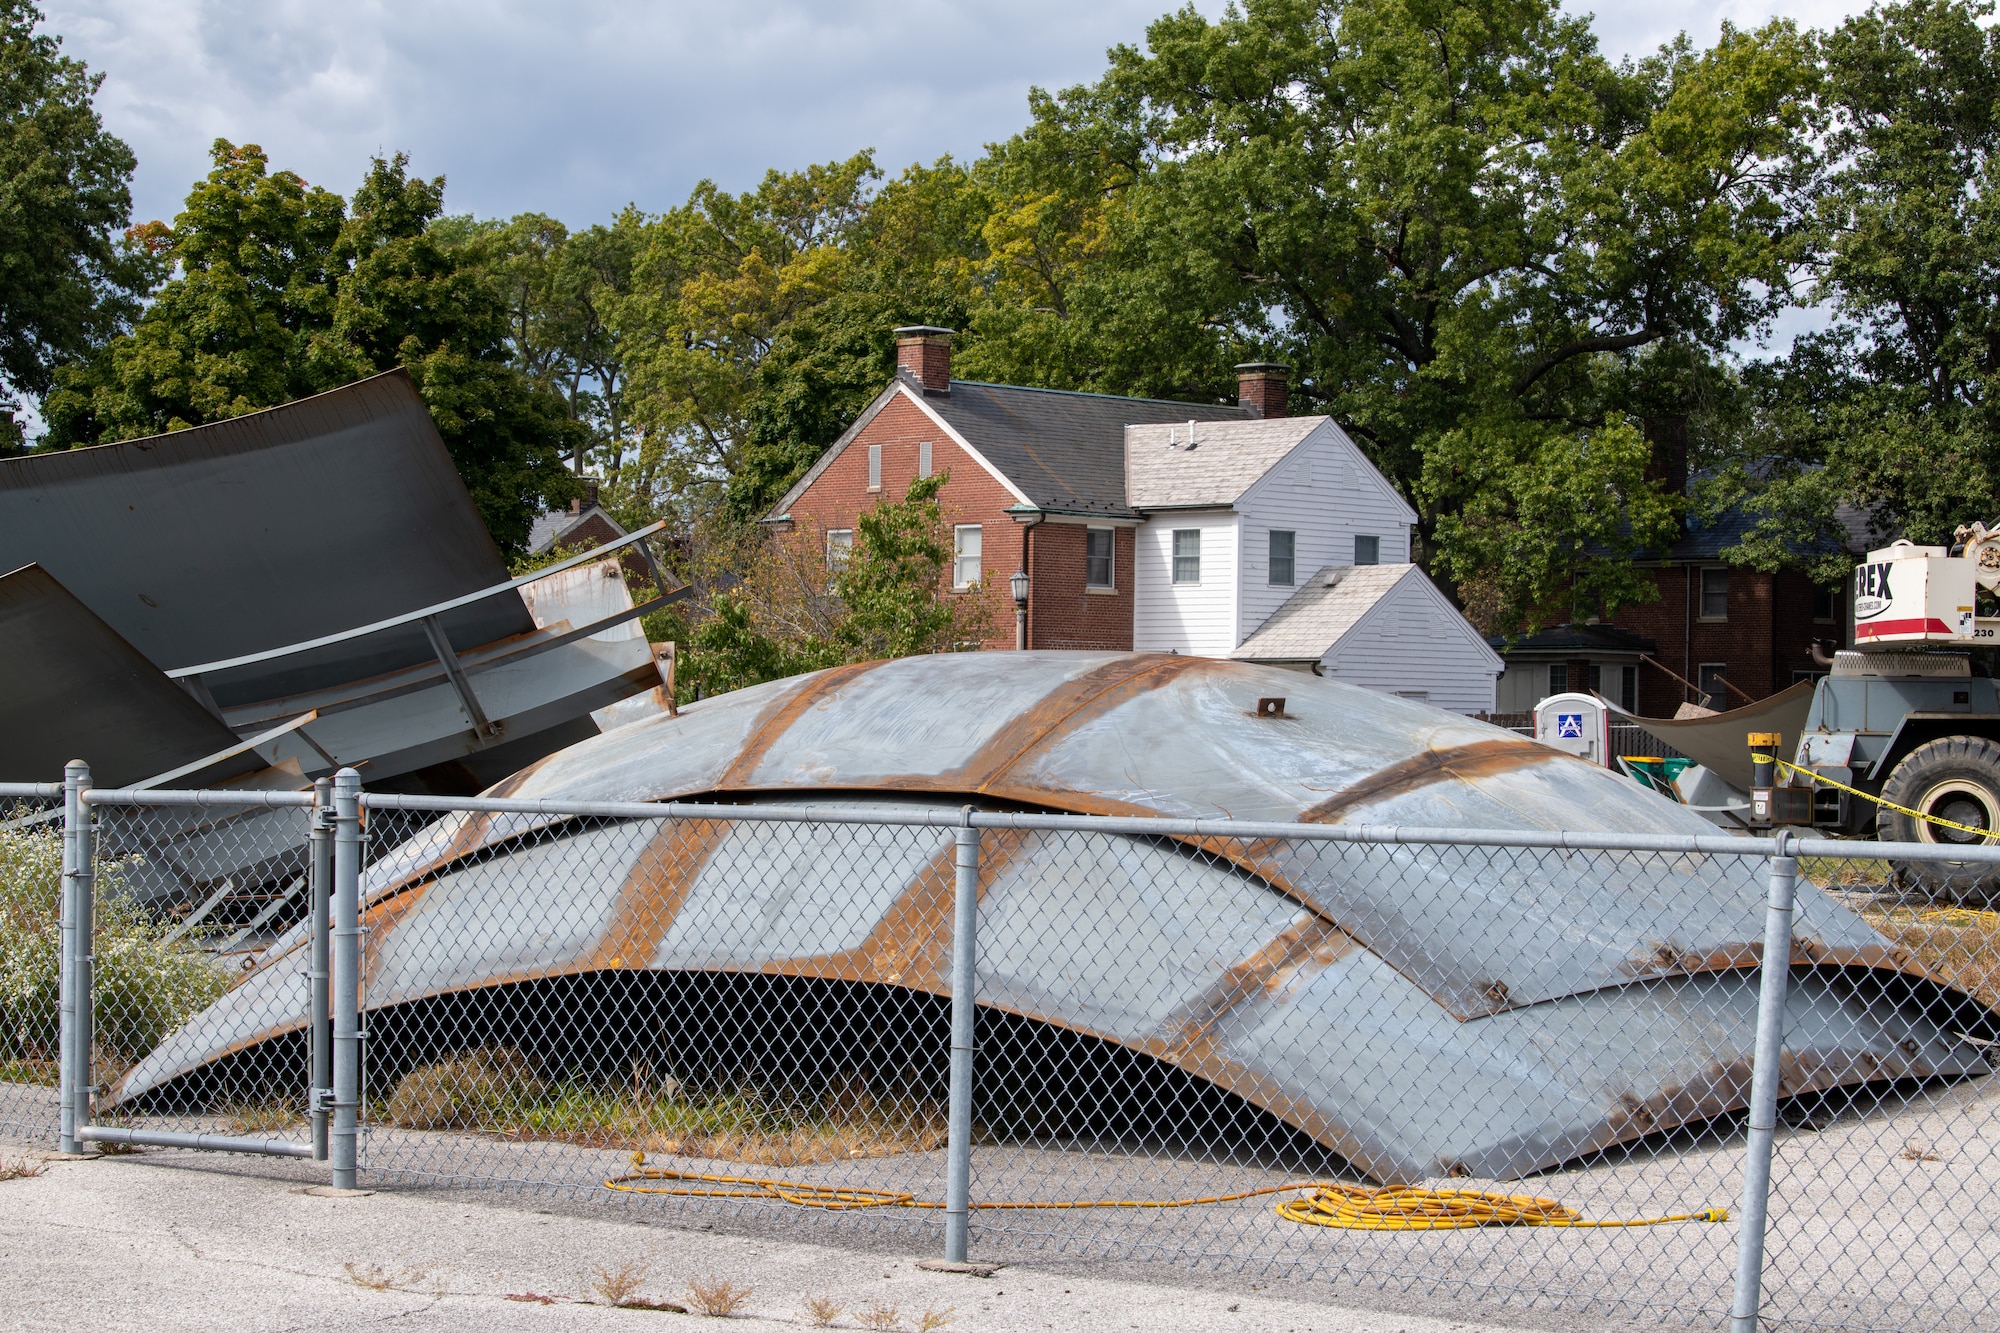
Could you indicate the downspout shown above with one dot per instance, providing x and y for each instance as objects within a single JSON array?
[
  {"x": 1028, "y": 563},
  {"x": 1687, "y": 625}
]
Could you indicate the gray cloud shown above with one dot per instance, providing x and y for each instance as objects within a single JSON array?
[{"x": 579, "y": 108}]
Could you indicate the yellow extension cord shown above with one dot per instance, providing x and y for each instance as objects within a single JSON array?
[
  {"x": 1352, "y": 1207},
  {"x": 1987, "y": 834}
]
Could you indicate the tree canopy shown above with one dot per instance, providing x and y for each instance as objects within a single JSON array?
[{"x": 1528, "y": 279}]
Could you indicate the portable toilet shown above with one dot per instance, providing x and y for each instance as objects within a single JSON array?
[{"x": 1577, "y": 723}]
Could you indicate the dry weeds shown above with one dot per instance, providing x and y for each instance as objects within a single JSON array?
[
  {"x": 1918, "y": 1152},
  {"x": 823, "y": 1310},
  {"x": 618, "y": 1285},
  {"x": 1958, "y": 944},
  {"x": 377, "y": 1278},
  {"x": 930, "y": 1321},
  {"x": 263, "y": 1118},
  {"x": 20, "y": 1168},
  {"x": 880, "y": 1317},
  {"x": 716, "y": 1297}
]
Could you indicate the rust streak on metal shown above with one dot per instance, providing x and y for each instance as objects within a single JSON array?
[
  {"x": 911, "y": 945},
  {"x": 778, "y": 718},
  {"x": 1464, "y": 762},
  {"x": 1063, "y": 709},
  {"x": 1307, "y": 941},
  {"x": 1667, "y": 960},
  {"x": 654, "y": 891}
]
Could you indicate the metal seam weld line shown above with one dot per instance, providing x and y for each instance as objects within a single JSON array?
[{"x": 1765, "y": 1076}]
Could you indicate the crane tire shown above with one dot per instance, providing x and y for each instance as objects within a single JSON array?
[{"x": 1955, "y": 778}]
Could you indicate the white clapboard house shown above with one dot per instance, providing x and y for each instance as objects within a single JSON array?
[{"x": 1278, "y": 541}]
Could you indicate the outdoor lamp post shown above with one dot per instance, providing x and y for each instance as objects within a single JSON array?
[{"x": 1019, "y": 583}]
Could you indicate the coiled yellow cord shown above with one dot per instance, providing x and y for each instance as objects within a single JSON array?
[{"x": 1353, "y": 1207}]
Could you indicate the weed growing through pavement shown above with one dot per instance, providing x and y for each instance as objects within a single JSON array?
[
  {"x": 20, "y": 1169},
  {"x": 1918, "y": 1152},
  {"x": 930, "y": 1321},
  {"x": 880, "y": 1317},
  {"x": 377, "y": 1278},
  {"x": 262, "y": 1117},
  {"x": 717, "y": 1298},
  {"x": 618, "y": 1285},
  {"x": 823, "y": 1310}
]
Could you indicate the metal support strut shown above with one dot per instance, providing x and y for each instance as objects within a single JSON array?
[
  {"x": 964, "y": 956},
  {"x": 319, "y": 909},
  {"x": 346, "y": 992},
  {"x": 77, "y": 908},
  {"x": 1774, "y": 975}
]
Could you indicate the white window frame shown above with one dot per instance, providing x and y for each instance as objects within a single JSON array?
[
  {"x": 1291, "y": 578},
  {"x": 1374, "y": 556},
  {"x": 874, "y": 467},
  {"x": 1701, "y": 602},
  {"x": 839, "y": 547},
  {"x": 1177, "y": 555},
  {"x": 963, "y": 561},
  {"x": 1110, "y": 583}
]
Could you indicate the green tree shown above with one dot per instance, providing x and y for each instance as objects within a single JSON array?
[
  {"x": 1473, "y": 237},
  {"x": 66, "y": 282},
  {"x": 280, "y": 289},
  {"x": 1891, "y": 412}
]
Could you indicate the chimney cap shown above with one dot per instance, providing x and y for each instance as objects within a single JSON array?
[
  {"x": 1276, "y": 368},
  {"x": 924, "y": 331}
]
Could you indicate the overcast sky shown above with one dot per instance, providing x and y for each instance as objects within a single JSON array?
[{"x": 578, "y": 108}]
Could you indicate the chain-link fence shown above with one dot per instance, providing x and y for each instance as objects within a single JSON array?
[
  {"x": 31, "y": 825},
  {"x": 1309, "y": 1051}
]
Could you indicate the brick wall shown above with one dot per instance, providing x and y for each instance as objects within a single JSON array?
[
  {"x": 972, "y": 495},
  {"x": 1748, "y": 642},
  {"x": 1061, "y": 612}
]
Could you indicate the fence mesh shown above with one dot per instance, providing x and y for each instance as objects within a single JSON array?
[
  {"x": 30, "y": 881},
  {"x": 761, "y": 1009}
]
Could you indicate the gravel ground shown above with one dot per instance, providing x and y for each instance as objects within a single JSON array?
[{"x": 1880, "y": 1221}]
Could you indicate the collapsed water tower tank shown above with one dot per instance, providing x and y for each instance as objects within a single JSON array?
[{"x": 1578, "y": 723}]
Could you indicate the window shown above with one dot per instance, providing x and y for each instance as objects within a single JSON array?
[
  {"x": 839, "y": 546},
  {"x": 1420, "y": 696},
  {"x": 1097, "y": 548},
  {"x": 1826, "y": 605},
  {"x": 1187, "y": 555},
  {"x": 1596, "y": 685},
  {"x": 924, "y": 459},
  {"x": 965, "y": 556},
  {"x": 1283, "y": 546},
  {"x": 1367, "y": 550},
  {"x": 1709, "y": 677},
  {"x": 1559, "y": 678},
  {"x": 1628, "y": 688},
  {"x": 874, "y": 467},
  {"x": 1715, "y": 594}
]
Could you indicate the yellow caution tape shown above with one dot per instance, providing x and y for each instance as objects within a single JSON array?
[
  {"x": 1989, "y": 834},
  {"x": 1353, "y": 1207}
]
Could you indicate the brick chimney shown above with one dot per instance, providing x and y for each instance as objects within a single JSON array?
[
  {"x": 1261, "y": 386},
  {"x": 589, "y": 498},
  {"x": 923, "y": 354}
]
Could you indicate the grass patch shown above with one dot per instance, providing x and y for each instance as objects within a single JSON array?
[
  {"x": 33, "y": 1072},
  {"x": 144, "y": 986},
  {"x": 495, "y": 1090},
  {"x": 263, "y": 1118},
  {"x": 1841, "y": 873},
  {"x": 1959, "y": 944}
]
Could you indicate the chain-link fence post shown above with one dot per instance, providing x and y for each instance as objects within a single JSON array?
[
  {"x": 1775, "y": 974},
  {"x": 319, "y": 891},
  {"x": 346, "y": 958},
  {"x": 958, "y": 1126},
  {"x": 77, "y": 911}
]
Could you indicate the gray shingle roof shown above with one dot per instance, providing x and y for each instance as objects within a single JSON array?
[
  {"x": 1327, "y": 606},
  {"x": 1065, "y": 451},
  {"x": 1227, "y": 459}
]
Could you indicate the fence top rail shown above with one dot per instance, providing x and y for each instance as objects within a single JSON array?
[
  {"x": 41, "y": 791},
  {"x": 1719, "y": 844},
  {"x": 206, "y": 796}
]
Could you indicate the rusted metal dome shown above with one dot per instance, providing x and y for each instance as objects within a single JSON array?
[{"x": 1422, "y": 1010}]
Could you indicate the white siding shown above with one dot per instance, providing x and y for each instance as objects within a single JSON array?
[
  {"x": 1415, "y": 642},
  {"x": 1179, "y": 617},
  {"x": 1326, "y": 491}
]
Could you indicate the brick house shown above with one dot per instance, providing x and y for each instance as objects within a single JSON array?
[
  {"x": 1718, "y": 635},
  {"x": 1151, "y": 525}
]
